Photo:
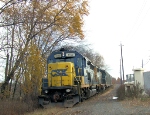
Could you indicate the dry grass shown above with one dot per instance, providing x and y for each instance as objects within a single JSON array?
[
  {"x": 14, "y": 107},
  {"x": 136, "y": 102},
  {"x": 48, "y": 111},
  {"x": 133, "y": 97},
  {"x": 121, "y": 92}
]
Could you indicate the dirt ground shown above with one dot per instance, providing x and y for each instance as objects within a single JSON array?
[{"x": 101, "y": 104}]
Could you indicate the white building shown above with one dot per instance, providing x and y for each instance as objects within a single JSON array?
[
  {"x": 138, "y": 77},
  {"x": 141, "y": 77}
]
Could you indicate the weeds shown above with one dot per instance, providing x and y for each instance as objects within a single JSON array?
[
  {"x": 121, "y": 92},
  {"x": 16, "y": 107},
  {"x": 135, "y": 91},
  {"x": 147, "y": 92},
  {"x": 131, "y": 92}
]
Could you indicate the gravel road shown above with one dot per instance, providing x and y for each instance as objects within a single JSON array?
[{"x": 103, "y": 104}]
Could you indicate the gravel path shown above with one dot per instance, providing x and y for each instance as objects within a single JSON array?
[{"x": 103, "y": 104}]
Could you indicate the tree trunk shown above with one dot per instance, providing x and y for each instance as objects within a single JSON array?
[
  {"x": 15, "y": 86},
  {"x": 17, "y": 63},
  {"x": 6, "y": 69}
]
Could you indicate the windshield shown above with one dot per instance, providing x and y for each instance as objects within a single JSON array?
[{"x": 65, "y": 60}]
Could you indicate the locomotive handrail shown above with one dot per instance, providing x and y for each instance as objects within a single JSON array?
[{"x": 78, "y": 84}]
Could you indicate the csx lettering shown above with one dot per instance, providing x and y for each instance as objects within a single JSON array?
[{"x": 59, "y": 72}]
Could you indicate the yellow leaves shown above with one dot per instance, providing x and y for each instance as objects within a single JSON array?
[
  {"x": 60, "y": 16},
  {"x": 75, "y": 27},
  {"x": 84, "y": 9},
  {"x": 35, "y": 68},
  {"x": 71, "y": 31},
  {"x": 68, "y": 14}
]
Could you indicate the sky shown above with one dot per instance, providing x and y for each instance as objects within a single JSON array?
[{"x": 114, "y": 22}]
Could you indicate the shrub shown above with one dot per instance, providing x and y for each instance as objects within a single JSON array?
[
  {"x": 147, "y": 91},
  {"x": 17, "y": 107},
  {"x": 121, "y": 92},
  {"x": 135, "y": 91}
]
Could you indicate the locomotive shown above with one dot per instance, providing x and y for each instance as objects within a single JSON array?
[{"x": 71, "y": 78}]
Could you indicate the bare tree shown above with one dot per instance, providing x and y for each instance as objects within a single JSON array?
[{"x": 84, "y": 49}]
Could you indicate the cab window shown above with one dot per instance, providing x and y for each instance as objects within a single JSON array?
[
  {"x": 79, "y": 62},
  {"x": 50, "y": 61},
  {"x": 65, "y": 60}
]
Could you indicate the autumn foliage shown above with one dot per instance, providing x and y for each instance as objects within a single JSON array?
[
  {"x": 31, "y": 30},
  {"x": 35, "y": 67}
]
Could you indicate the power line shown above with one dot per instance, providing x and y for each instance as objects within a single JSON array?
[{"x": 145, "y": 63}]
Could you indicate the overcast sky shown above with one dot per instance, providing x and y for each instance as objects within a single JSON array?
[{"x": 112, "y": 22}]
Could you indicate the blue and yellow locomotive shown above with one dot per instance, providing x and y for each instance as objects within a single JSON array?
[{"x": 71, "y": 78}]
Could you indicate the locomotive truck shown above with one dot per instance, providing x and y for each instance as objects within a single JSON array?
[{"x": 71, "y": 78}]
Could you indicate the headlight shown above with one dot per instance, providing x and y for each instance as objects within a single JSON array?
[
  {"x": 68, "y": 90},
  {"x": 46, "y": 91}
]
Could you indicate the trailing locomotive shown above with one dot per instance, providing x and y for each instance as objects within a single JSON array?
[{"x": 71, "y": 79}]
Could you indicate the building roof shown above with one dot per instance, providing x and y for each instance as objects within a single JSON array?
[{"x": 138, "y": 69}]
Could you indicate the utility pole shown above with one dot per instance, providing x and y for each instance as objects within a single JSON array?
[
  {"x": 120, "y": 73},
  {"x": 142, "y": 63},
  {"x": 122, "y": 62}
]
